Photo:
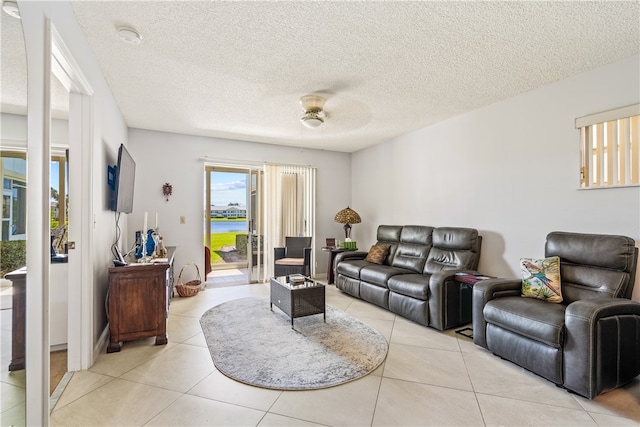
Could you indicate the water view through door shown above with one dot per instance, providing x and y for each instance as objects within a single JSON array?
[{"x": 232, "y": 226}]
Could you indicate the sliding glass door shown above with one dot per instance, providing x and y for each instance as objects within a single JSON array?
[
  {"x": 249, "y": 210},
  {"x": 232, "y": 222}
]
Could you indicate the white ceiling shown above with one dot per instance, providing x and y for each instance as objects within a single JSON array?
[{"x": 237, "y": 69}]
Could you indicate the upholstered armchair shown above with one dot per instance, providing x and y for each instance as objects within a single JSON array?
[
  {"x": 590, "y": 342},
  {"x": 294, "y": 257}
]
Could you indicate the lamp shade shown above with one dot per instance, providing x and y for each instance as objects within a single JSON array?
[{"x": 347, "y": 216}]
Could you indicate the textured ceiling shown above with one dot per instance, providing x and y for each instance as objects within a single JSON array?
[
  {"x": 237, "y": 69},
  {"x": 13, "y": 62}
]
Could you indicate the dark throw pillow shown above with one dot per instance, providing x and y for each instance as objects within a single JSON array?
[{"x": 378, "y": 253}]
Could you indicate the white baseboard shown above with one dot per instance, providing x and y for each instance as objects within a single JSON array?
[{"x": 58, "y": 347}]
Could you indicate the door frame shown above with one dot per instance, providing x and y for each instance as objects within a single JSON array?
[
  {"x": 80, "y": 351},
  {"x": 46, "y": 54}
]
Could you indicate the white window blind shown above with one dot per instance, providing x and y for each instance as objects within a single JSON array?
[
  {"x": 290, "y": 207},
  {"x": 609, "y": 148}
]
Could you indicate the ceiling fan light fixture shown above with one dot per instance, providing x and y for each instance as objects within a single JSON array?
[
  {"x": 11, "y": 9},
  {"x": 129, "y": 35},
  {"x": 313, "y": 115},
  {"x": 311, "y": 119},
  {"x": 312, "y": 102}
]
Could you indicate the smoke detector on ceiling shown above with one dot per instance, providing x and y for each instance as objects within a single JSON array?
[
  {"x": 129, "y": 35},
  {"x": 11, "y": 8},
  {"x": 313, "y": 115}
]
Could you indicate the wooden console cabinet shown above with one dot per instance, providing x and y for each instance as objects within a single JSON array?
[{"x": 138, "y": 302}]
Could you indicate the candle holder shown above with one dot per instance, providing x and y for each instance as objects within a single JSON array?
[{"x": 143, "y": 243}]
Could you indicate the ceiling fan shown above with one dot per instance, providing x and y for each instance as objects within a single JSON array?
[{"x": 313, "y": 115}]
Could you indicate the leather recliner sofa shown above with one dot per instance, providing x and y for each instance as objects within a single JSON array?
[
  {"x": 416, "y": 279},
  {"x": 590, "y": 342}
]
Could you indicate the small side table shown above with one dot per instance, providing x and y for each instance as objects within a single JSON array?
[
  {"x": 467, "y": 279},
  {"x": 333, "y": 251}
]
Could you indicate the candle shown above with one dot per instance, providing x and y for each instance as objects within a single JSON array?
[
  {"x": 156, "y": 220},
  {"x": 144, "y": 227}
]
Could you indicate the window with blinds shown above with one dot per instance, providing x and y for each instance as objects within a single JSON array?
[{"x": 610, "y": 148}]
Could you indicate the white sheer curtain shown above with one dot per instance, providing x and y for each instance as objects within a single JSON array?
[{"x": 290, "y": 208}]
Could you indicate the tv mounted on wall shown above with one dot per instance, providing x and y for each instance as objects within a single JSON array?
[{"x": 123, "y": 182}]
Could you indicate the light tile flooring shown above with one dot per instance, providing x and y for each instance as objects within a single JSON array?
[
  {"x": 429, "y": 378},
  {"x": 228, "y": 277},
  {"x": 12, "y": 396}
]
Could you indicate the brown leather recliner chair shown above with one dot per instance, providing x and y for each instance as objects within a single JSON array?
[{"x": 589, "y": 343}]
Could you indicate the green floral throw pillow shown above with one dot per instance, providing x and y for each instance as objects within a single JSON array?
[{"x": 541, "y": 278}]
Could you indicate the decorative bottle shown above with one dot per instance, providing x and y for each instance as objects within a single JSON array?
[
  {"x": 151, "y": 244},
  {"x": 162, "y": 251},
  {"x": 139, "y": 253}
]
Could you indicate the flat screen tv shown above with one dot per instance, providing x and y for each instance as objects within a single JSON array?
[{"x": 124, "y": 181}]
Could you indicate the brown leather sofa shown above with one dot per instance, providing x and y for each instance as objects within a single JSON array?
[
  {"x": 590, "y": 342},
  {"x": 416, "y": 279}
]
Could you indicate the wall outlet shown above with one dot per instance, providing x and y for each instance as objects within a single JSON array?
[{"x": 183, "y": 219}]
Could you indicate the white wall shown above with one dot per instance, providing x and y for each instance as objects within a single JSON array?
[
  {"x": 509, "y": 169},
  {"x": 177, "y": 159},
  {"x": 13, "y": 130}
]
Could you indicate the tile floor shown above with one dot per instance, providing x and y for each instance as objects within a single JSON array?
[
  {"x": 429, "y": 378},
  {"x": 12, "y": 384},
  {"x": 228, "y": 277}
]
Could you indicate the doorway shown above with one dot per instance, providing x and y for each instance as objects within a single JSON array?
[{"x": 233, "y": 223}]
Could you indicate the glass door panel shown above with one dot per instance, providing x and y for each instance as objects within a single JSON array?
[
  {"x": 232, "y": 225},
  {"x": 255, "y": 259},
  {"x": 226, "y": 218}
]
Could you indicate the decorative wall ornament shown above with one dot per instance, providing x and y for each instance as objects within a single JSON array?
[{"x": 167, "y": 190}]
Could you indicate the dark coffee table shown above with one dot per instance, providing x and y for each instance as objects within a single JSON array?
[{"x": 298, "y": 300}]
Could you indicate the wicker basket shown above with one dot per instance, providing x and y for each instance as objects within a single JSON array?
[{"x": 192, "y": 287}]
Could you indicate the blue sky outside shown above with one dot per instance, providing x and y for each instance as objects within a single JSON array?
[
  {"x": 55, "y": 167},
  {"x": 228, "y": 187}
]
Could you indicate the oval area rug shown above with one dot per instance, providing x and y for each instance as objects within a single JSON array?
[{"x": 252, "y": 344}]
